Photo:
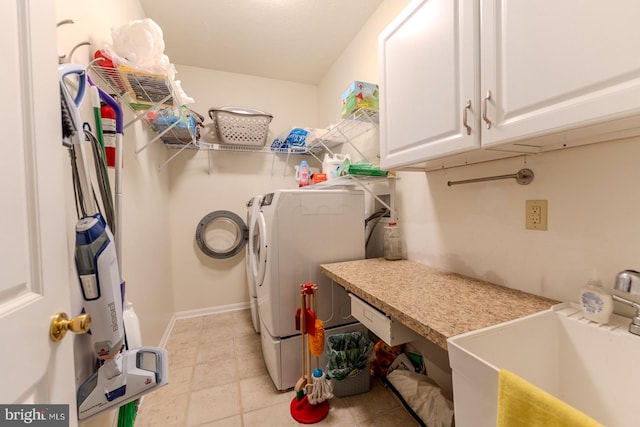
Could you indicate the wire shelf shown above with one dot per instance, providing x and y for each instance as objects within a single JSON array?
[
  {"x": 141, "y": 90},
  {"x": 356, "y": 124},
  {"x": 351, "y": 127},
  {"x": 251, "y": 149},
  {"x": 151, "y": 98}
]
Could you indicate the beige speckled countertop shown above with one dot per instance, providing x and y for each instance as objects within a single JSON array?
[{"x": 435, "y": 304}]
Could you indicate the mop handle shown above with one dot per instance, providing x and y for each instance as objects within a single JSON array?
[
  {"x": 315, "y": 305},
  {"x": 302, "y": 325},
  {"x": 315, "y": 310},
  {"x": 308, "y": 298}
]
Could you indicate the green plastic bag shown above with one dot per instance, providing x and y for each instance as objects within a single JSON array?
[{"x": 348, "y": 354}]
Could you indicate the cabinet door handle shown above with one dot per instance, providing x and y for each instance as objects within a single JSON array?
[
  {"x": 484, "y": 109},
  {"x": 467, "y": 107}
]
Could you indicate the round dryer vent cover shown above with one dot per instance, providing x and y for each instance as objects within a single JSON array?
[{"x": 221, "y": 234}]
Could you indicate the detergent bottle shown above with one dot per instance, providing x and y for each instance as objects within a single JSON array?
[
  {"x": 331, "y": 164},
  {"x": 303, "y": 175}
]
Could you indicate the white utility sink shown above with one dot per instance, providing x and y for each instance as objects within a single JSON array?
[{"x": 594, "y": 368}]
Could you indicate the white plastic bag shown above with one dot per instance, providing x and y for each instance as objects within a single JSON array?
[{"x": 141, "y": 44}]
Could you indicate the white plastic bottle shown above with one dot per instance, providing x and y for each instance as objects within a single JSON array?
[
  {"x": 131, "y": 325},
  {"x": 331, "y": 164},
  {"x": 302, "y": 174},
  {"x": 392, "y": 242},
  {"x": 597, "y": 304}
]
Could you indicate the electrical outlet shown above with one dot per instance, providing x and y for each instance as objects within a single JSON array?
[{"x": 536, "y": 214}]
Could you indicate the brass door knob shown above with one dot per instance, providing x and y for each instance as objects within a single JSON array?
[{"x": 60, "y": 324}]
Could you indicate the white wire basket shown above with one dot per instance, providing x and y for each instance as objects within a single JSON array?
[{"x": 240, "y": 126}]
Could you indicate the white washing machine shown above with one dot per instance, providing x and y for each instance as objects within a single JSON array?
[
  {"x": 304, "y": 228},
  {"x": 252, "y": 256}
]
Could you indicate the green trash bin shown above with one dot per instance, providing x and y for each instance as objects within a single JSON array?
[{"x": 349, "y": 356}]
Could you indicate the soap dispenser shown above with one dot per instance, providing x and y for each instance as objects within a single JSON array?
[{"x": 597, "y": 305}]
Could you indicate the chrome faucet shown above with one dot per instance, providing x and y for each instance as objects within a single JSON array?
[{"x": 629, "y": 281}]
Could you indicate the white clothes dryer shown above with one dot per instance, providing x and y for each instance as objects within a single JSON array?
[
  {"x": 252, "y": 256},
  {"x": 303, "y": 229}
]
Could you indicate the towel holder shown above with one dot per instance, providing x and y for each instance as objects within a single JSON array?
[{"x": 522, "y": 177}]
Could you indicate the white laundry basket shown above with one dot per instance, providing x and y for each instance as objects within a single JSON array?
[{"x": 240, "y": 126}]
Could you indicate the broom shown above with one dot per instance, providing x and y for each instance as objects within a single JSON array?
[{"x": 312, "y": 407}]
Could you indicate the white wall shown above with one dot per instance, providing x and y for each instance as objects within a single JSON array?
[
  {"x": 359, "y": 61},
  {"x": 478, "y": 229},
  {"x": 229, "y": 181},
  {"x": 146, "y": 266}
]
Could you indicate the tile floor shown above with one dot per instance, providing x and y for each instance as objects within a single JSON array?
[{"x": 218, "y": 378}]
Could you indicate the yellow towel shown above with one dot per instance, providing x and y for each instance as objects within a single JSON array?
[{"x": 521, "y": 404}]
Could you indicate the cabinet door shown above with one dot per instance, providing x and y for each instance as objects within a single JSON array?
[
  {"x": 553, "y": 66},
  {"x": 428, "y": 74}
]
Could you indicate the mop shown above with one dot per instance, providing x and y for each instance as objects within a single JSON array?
[{"x": 313, "y": 406}]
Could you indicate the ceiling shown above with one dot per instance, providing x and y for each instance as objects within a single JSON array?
[{"x": 294, "y": 40}]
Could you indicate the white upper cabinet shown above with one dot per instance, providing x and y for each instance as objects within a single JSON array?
[
  {"x": 557, "y": 66},
  {"x": 559, "y": 74},
  {"x": 428, "y": 74}
]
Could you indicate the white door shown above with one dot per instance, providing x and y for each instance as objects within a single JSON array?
[
  {"x": 34, "y": 269},
  {"x": 555, "y": 65},
  {"x": 428, "y": 75}
]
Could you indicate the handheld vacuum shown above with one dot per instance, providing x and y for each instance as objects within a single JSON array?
[{"x": 124, "y": 375}]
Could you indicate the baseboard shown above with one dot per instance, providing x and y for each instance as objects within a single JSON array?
[
  {"x": 187, "y": 314},
  {"x": 167, "y": 331},
  {"x": 211, "y": 310}
]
